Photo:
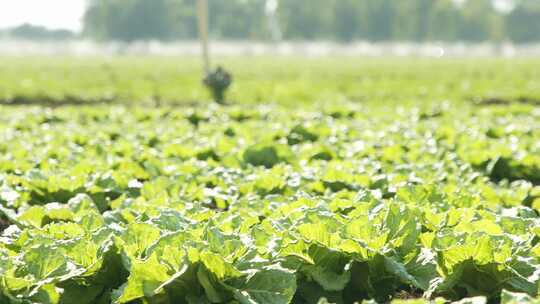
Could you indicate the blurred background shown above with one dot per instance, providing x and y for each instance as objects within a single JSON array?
[
  {"x": 290, "y": 51},
  {"x": 158, "y": 26}
]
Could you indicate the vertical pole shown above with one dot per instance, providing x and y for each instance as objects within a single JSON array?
[
  {"x": 271, "y": 12},
  {"x": 202, "y": 20}
]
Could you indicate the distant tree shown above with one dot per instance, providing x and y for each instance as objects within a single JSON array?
[
  {"x": 307, "y": 19},
  {"x": 476, "y": 22},
  {"x": 348, "y": 26},
  {"x": 444, "y": 20},
  {"x": 523, "y": 23},
  {"x": 381, "y": 20},
  {"x": 183, "y": 19},
  {"x": 237, "y": 19},
  {"x": 129, "y": 20},
  {"x": 33, "y": 32}
]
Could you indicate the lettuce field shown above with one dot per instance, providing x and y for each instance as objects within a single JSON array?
[{"x": 323, "y": 181}]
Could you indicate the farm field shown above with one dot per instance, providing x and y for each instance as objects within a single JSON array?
[
  {"x": 288, "y": 81},
  {"x": 343, "y": 180}
]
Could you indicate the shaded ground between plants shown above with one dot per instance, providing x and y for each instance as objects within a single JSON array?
[{"x": 506, "y": 101}]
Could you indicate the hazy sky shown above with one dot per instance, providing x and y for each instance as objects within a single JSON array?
[{"x": 54, "y": 14}]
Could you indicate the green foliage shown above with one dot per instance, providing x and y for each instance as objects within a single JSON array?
[
  {"x": 266, "y": 156},
  {"x": 177, "y": 81},
  {"x": 326, "y": 203}
]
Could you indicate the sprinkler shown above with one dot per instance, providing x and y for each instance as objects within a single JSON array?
[{"x": 218, "y": 81}]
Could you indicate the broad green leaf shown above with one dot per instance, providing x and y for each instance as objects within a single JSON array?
[
  {"x": 272, "y": 285},
  {"x": 144, "y": 278}
]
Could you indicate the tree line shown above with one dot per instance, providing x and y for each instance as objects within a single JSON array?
[
  {"x": 340, "y": 20},
  {"x": 35, "y": 32}
]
